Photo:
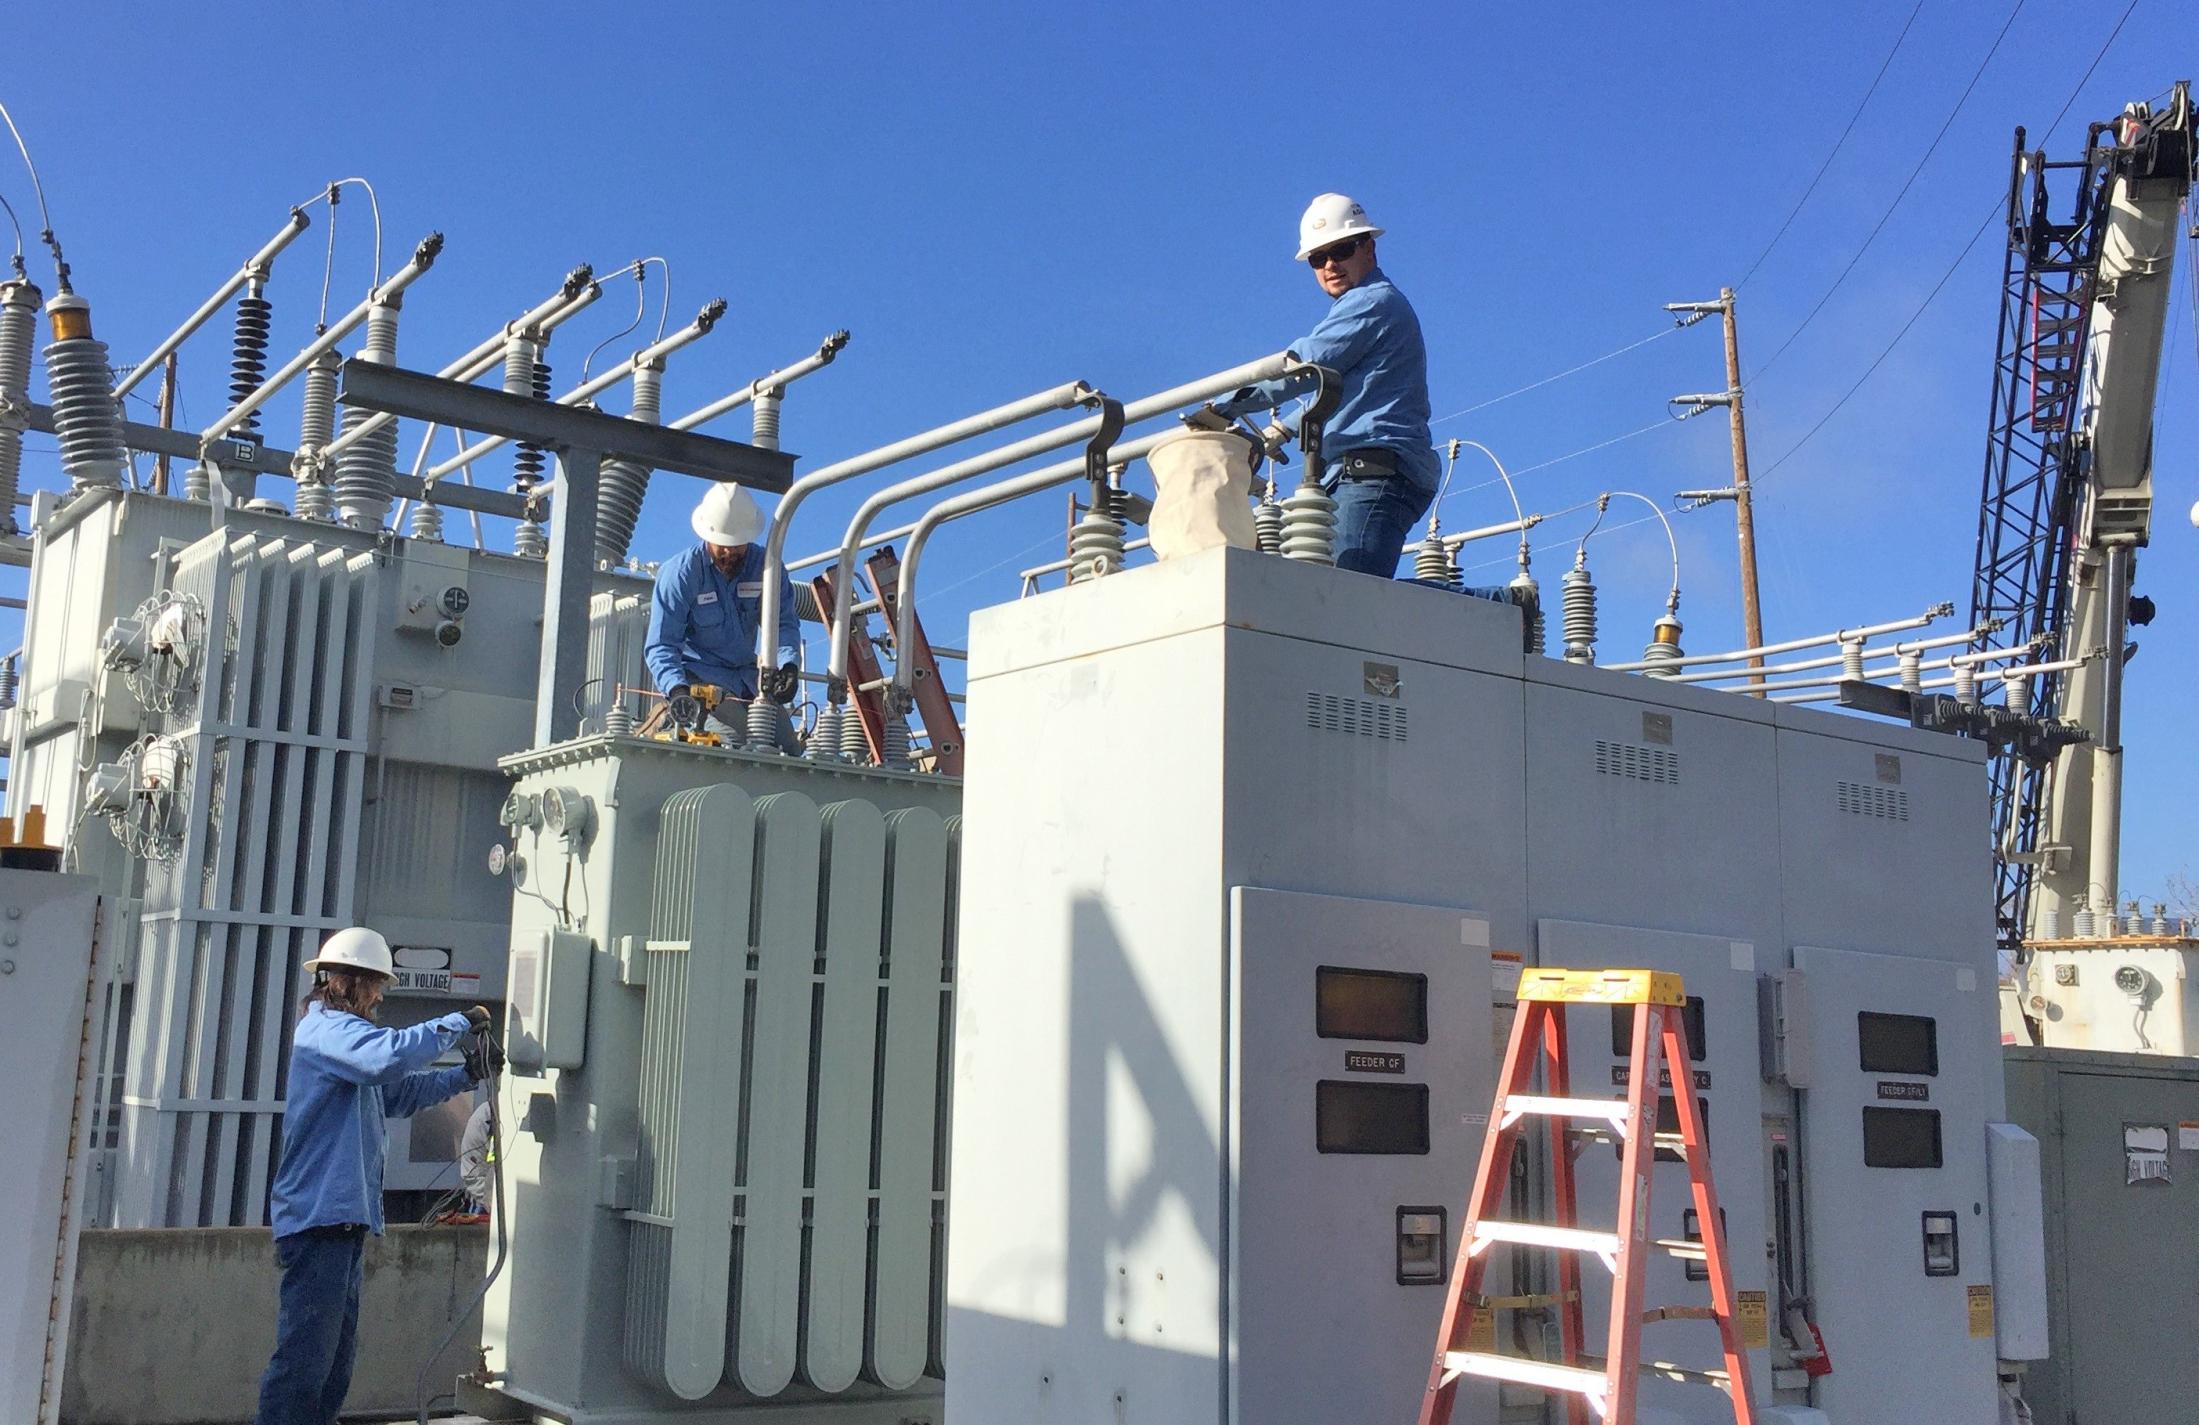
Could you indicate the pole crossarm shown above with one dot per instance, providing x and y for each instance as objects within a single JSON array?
[{"x": 418, "y": 396}]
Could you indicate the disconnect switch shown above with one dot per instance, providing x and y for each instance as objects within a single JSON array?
[
  {"x": 1420, "y": 1246},
  {"x": 1942, "y": 1244}
]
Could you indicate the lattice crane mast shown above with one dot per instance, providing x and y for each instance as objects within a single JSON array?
[{"x": 2068, "y": 497}]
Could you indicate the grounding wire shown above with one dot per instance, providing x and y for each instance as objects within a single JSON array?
[
  {"x": 1659, "y": 335},
  {"x": 1945, "y": 277},
  {"x": 1910, "y": 182},
  {"x": 639, "y": 267},
  {"x": 17, "y": 224},
  {"x": 1838, "y": 143}
]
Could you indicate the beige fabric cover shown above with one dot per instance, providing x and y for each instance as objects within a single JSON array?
[{"x": 1202, "y": 481}]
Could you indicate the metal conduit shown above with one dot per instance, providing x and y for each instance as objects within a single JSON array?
[
  {"x": 1158, "y": 404},
  {"x": 1839, "y": 635},
  {"x": 1755, "y": 676},
  {"x": 769, "y": 381}
]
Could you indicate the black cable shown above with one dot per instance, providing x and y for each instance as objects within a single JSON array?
[
  {"x": 1793, "y": 212},
  {"x": 1998, "y": 202},
  {"x": 492, "y": 1053}
]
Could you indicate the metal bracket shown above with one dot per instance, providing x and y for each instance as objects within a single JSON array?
[{"x": 1327, "y": 395}]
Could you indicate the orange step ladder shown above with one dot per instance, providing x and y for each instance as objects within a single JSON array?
[{"x": 1606, "y": 1387}]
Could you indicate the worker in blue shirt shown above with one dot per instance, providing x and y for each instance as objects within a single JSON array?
[
  {"x": 1382, "y": 467},
  {"x": 703, "y": 613},
  {"x": 347, "y": 1074}
]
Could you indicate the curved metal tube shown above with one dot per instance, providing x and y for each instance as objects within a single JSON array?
[
  {"x": 693, "y": 332},
  {"x": 1838, "y": 635},
  {"x": 1158, "y": 404},
  {"x": 971, "y": 502},
  {"x": 255, "y": 266},
  {"x": 423, "y": 258}
]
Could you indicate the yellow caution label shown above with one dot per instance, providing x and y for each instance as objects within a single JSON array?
[
  {"x": 1980, "y": 1301},
  {"x": 1752, "y": 1314},
  {"x": 1481, "y": 1333}
]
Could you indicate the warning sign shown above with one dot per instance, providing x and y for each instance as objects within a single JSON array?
[
  {"x": 1482, "y": 1334},
  {"x": 1751, "y": 1312},
  {"x": 1980, "y": 1300}
]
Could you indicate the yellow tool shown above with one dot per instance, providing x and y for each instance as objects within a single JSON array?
[
  {"x": 685, "y": 716},
  {"x": 1600, "y": 987}
]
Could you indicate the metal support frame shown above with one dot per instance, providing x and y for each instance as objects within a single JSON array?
[
  {"x": 582, "y": 440},
  {"x": 2034, "y": 462}
]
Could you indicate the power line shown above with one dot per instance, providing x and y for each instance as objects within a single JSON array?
[
  {"x": 1945, "y": 277},
  {"x": 1887, "y": 216},
  {"x": 1560, "y": 459},
  {"x": 1837, "y": 145},
  {"x": 1569, "y": 371}
]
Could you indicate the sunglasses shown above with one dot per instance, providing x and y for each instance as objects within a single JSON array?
[{"x": 1343, "y": 251}]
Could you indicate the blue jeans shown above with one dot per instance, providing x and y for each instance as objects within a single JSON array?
[
  {"x": 1372, "y": 519},
  {"x": 316, "y": 1328}
]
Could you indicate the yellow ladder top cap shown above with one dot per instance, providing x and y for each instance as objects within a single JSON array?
[{"x": 1601, "y": 987}]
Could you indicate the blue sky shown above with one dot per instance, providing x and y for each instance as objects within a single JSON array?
[{"x": 998, "y": 198}]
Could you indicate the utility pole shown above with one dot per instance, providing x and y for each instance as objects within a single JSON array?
[
  {"x": 1744, "y": 518},
  {"x": 167, "y": 419}
]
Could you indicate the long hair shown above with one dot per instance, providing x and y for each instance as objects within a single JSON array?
[{"x": 345, "y": 991}]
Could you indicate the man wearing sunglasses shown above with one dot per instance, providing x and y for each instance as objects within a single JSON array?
[{"x": 1382, "y": 466}]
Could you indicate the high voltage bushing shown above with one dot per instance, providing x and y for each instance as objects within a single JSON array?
[
  {"x": 896, "y": 738},
  {"x": 527, "y": 374},
  {"x": 7, "y": 682},
  {"x": 1966, "y": 684},
  {"x": 366, "y": 471},
  {"x": 1912, "y": 671},
  {"x": 824, "y": 738},
  {"x": 1578, "y": 595},
  {"x": 86, "y": 422},
  {"x": 427, "y": 521},
  {"x": 854, "y": 745},
  {"x": 624, "y": 483},
  {"x": 316, "y": 428},
  {"x": 1664, "y": 652},
  {"x": 763, "y": 419},
  {"x": 1267, "y": 523},
  {"x": 248, "y": 356},
  {"x": 1309, "y": 525},
  {"x": 617, "y": 721},
  {"x": 18, "y": 332},
  {"x": 1433, "y": 562},
  {"x": 763, "y": 723},
  {"x": 1096, "y": 544},
  {"x": 1523, "y": 583}
]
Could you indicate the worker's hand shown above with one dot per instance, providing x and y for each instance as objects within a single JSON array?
[
  {"x": 484, "y": 1059},
  {"x": 779, "y": 684},
  {"x": 478, "y": 1019}
]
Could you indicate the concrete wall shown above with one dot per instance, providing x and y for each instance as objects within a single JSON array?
[{"x": 174, "y": 1326}]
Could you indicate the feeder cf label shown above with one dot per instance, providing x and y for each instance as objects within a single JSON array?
[
  {"x": 1752, "y": 1314},
  {"x": 1980, "y": 1302}
]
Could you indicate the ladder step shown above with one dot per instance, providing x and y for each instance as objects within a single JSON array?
[
  {"x": 1679, "y": 1313},
  {"x": 1682, "y": 1248},
  {"x": 1539, "y": 1234},
  {"x": 1613, "y": 1110},
  {"x": 1548, "y": 1375},
  {"x": 1685, "y": 1375}
]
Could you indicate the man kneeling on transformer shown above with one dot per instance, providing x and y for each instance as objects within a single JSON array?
[{"x": 704, "y": 611}]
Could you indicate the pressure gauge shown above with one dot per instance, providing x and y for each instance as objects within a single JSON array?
[
  {"x": 521, "y": 810},
  {"x": 566, "y": 814},
  {"x": 2131, "y": 981}
]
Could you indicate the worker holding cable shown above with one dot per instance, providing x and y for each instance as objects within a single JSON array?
[
  {"x": 347, "y": 1075},
  {"x": 704, "y": 611}
]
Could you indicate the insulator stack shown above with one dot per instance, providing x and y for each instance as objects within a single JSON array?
[
  {"x": 2086, "y": 927},
  {"x": 1966, "y": 684},
  {"x": 763, "y": 725},
  {"x": 896, "y": 738},
  {"x": 530, "y": 541},
  {"x": 315, "y": 501},
  {"x": 1095, "y": 545},
  {"x": 316, "y": 428},
  {"x": 805, "y": 604},
  {"x": 1664, "y": 652},
  {"x": 2161, "y": 924},
  {"x": 1267, "y": 523},
  {"x": 824, "y": 738},
  {"x": 18, "y": 333},
  {"x": 1433, "y": 562},
  {"x": 86, "y": 421},
  {"x": 2133, "y": 922},
  {"x": 198, "y": 482},
  {"x": 763, "y": 430},
  {"x": 7, "y": 683},
  {"x": 854, "y": 744},
  {"x": 1851, "y": 660},
  {"x": 1527, "y": 595},
  {"x": 427, "y": 521},
  {"x": 617, "y": 721},
  {"x": 1309, "y": 525},
  {"x": 623, "y": 483},
  {"x": 366, "y": 471},
  {"x": 248, "y": 356},
  {"x": 1912, "y": 671},
  {"x": 1578, "y": 595}
]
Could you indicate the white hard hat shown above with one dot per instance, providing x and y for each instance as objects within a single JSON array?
[
  {"x": 2195, "y": 514},
  {"x": 1331, "y": 218},
  {"x": 354, "y": 948},
  {"x": 727, "y": 515}
]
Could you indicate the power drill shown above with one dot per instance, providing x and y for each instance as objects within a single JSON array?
[{"x": 690, "y": 711}]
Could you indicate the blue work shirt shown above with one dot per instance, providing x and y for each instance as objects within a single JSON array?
[
  {"x": 347, "y": 1075},
  {"x": 702, "y": 625},
  {"x": 1371, "y": 339}
]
